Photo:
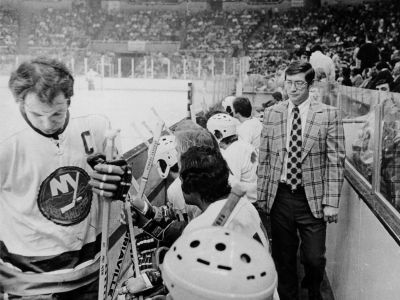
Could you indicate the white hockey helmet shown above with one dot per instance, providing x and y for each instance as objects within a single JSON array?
[
  {"x": 227, "y": 103},
  {"x": 222, "y": 123},
  {"x": 166, "y": 155},
  {"x": 219, "y": 264}
]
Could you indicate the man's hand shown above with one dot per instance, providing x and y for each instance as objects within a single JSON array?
[
  {"x": 110, "y": 179},
  {"x": 133, "y": 285},
  {"x": 106, "y": 179},
  {"x": 330, "y": 214}
]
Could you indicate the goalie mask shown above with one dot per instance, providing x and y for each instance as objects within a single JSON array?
[
  {"x": 218, "y": 263},
  {"x": 222, "y": 126},
  {"x": 166, "y": 155}
]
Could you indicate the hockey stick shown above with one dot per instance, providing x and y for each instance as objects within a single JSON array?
[
  {"x": 135, "y": 259},
  {"x": 140, "y": 190},
  {"x": 150, "y": 158},
  {"x": 140, "y": 134},
  {"x": 230, "y": 204},
  {"x": 161, "y": 120},
  {"x": 103, "y": 278},
  {"x": 147, "y": 127},
  {"x": 121, "y": 257}
]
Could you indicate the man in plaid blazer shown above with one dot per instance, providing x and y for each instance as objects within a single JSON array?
[{"x": 302, "y": 210}]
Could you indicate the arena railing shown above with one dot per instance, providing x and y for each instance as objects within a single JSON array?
[{"x": 372, "y": 132}]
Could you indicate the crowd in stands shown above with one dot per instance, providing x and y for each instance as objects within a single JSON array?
[
  {"x": 72, "y": 28},
  {"x": 271, "y": 38},
  {"x": 221, "y": 31},
  {"x": 9, "y": 29},
  {"x": 151, "y": 25}
]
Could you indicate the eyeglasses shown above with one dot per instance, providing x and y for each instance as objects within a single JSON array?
[{"x": 299, "y": 85}]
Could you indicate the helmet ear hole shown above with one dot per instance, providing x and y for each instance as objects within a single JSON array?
[
  {"x": 245, "y": 258},
  {"x": 163, "y": 165},
  {"x": 218, "y": 134}
]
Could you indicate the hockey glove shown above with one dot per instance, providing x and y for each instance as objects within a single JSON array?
[{"x": 110, "y": 179}]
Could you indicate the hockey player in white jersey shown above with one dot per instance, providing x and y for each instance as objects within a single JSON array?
[
  {"x": 249, "y": 129},
  {"x": 240, "y": 156},
  {"x": 204, "y": 174},
  {"x": 49, "y": 216}
]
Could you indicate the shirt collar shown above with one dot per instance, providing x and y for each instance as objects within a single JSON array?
[{"x": 303, "y": 107}]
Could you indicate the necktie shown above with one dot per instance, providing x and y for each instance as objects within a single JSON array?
[{"x": 294, "y": 154}]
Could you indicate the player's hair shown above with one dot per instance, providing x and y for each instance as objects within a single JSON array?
[
  {"x": 194, "y": 137},
  {"x": 204, "y": 171},
  {"x": 186, "y": 125},
  {"x": 45, "y": 77},
  {"x": 242, "y": 106},
  {"x": 316, "y": 47},
  {"x": 298, "y": 67},
  {"x": 230, "y": 139}
]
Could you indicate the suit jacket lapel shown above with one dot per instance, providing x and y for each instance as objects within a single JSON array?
[
  {"x": 280, "y": 129},
  {"x": 313, "y": 123}
]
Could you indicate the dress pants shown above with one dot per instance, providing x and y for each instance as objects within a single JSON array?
[{"x": 291, "y": 218}]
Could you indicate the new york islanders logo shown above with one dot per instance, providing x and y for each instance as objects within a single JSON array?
[{"x": 65, "y": 196}]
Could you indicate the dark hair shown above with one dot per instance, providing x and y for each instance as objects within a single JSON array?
[
  {"x": 242, "y": 106},
  {"x": 316, "y": 47},
  {"x": 45, "y": 77},
  {"x": 229, "y": 139},
  {"x": 346, "y": 72},
  {"x": 381, "y": 65},
  {"x": 298, "y": 67},
  {"x": 204, "y": 171},
  {"x": 356, "y": 71},
  {"x": 370, "y": 36},
  {"x": 277, "y": 96}
]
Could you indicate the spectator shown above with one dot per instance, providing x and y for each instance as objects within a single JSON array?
[
  {"x": 346, "y": 77},
  {"x": 368, "y": 54},
  {"x": 383, "y": 76},
  {"x": 395, "y": 85},
  {"x": 356, "y": 77},
  {"x": 319, "y": 60}
]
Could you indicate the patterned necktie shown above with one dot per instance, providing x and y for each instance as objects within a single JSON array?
[{"x": 294, "y": 153}]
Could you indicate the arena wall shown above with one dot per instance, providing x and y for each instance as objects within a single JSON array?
[{"x": 363, "y": 260}]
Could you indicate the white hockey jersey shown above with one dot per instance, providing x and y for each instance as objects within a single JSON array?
[
  {"x": 49, "y": 217},
  {"x": 242, "y": 161},
  {"x": 243, "y": 219}
]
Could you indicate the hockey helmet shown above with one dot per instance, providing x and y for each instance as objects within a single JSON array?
[
  {"x": 222, "y": 125},
  {"x": 218, "y": 263},
  {"x": 166, "y": 155},
  {"x": 227, "y": 104}
]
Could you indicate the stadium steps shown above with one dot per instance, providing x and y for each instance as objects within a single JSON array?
[{"x": 24, "y": 29}]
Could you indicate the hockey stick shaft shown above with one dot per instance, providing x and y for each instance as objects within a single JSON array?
[
  {"x": 147, "y": 127},
  {"x": 115, "y": 278},
  {"x": 106, "y": 203},
  {"x": 161, "y": 120},
  {"x": 150, "y": 158},
  {"x": 135, "y": 259},
  {"x": 140, "y": 134},
  {"x": 229, "y": 206}
]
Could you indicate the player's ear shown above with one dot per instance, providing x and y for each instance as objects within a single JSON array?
[{"x": 69, "y": 102}]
